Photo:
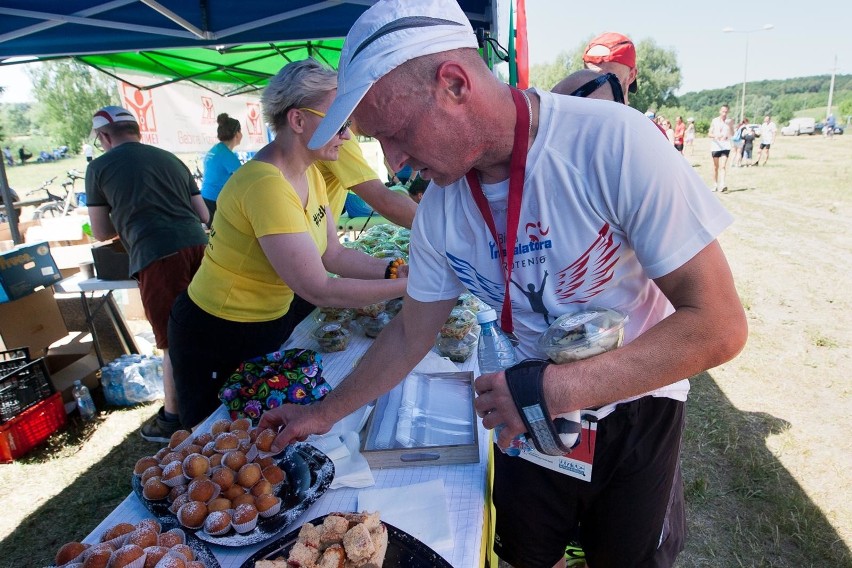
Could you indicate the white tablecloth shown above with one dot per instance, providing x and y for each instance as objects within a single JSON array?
[{"x": 464, "y": 484}]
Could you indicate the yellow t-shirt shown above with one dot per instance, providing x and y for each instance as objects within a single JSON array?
[
  {"x": 236, "y": 281},
  {"x": 348, "y": 170}
]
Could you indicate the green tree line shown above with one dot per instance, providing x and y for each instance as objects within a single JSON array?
[
  {"x": 660, "y": 78},
  {"x": 67, "y": 91}
]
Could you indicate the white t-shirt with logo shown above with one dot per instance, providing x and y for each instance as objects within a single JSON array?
[{"x": 608, "y": 205}]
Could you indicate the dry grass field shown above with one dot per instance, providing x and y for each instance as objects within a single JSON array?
[{"x": 768, "y": 448}]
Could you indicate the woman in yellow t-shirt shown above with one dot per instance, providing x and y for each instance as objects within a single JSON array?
[{"x": 273, "y": 236}]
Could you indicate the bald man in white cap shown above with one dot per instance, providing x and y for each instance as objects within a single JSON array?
[{"x": 583, "y": 204}]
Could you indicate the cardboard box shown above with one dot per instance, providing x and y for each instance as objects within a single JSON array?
[
  {"x": 23, "y": 226},
  {"x": 36, "y": 322},
  {"x": 26, "y": 268},
  {"x": 33, "y": 321},
  {"x": 428, "y": 419},
  {"x": 111, "y": 261}
]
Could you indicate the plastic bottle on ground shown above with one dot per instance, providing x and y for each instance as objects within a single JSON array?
[{"x": 85, "y": 404}]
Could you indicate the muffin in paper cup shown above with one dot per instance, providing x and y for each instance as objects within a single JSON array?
[
  {"x": 273, "y": 510},
  {"x": 116, "y": 542},
  {"x": 213, "y": 519},
  {"x": 246, "y": 527},
  {"x": 138, "y": 563},
  {"x": 172, "y": 537}
]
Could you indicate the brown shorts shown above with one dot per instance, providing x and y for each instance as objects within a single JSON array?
[{"x": 160, "y": 283}]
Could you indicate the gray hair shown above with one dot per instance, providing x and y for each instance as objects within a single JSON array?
[{"x": 297, "y": 84}]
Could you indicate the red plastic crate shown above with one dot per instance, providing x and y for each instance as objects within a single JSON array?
[{"x": 30, "y": 428}]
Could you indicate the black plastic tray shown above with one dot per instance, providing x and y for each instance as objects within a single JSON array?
[
  {"x": 404, "y": 551},
  {"x": 309, "y": 474},
  {"x": 202, "y": 553}
]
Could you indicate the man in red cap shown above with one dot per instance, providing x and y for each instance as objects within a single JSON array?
[{"x": 614, "y": 53}]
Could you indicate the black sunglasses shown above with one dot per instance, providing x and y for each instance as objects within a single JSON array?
[{"x": 587, "y": 89}]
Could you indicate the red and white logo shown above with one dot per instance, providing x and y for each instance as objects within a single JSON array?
[
  {"x": 208, "y": 112},
  {"x": 254, "y": 119},
  {"x": 142, "y": 105}
]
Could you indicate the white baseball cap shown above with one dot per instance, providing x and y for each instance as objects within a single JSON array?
[
  {"x": 387, "y": 35},
  {"x": 111, "y": 114}
]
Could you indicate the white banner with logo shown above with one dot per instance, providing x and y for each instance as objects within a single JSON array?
[{"x": 181, "y": 117}]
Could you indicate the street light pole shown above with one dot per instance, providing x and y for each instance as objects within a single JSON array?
[{"x": 728, "y": 30}]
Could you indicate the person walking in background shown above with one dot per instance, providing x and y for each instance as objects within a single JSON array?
[
  {"x": 148, "y": 197},
  {"x": 508, "y": 171},
  {"x": 7, "y": 155},
  {"x": 737, "y": 142},
  {"x": 24, "y": 155},
  {"x": 720, "y": 147},
  {"x": 221, "y": 161},
  {"x": 88, "y": 152},
  {"x": 828, "y": 129},
  {"x": 689, "y": 135},
  {"x": 767, "y": 137},
  {"x": 679, "y": 133},
  {"x": 748, "y": 145},
  {"x": 666, "y": 126}
]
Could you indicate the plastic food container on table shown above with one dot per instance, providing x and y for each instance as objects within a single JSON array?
[{"x": 332, "y": 337}]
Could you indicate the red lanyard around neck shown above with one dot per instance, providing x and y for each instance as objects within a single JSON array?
[{"x": 517, "y": 169}]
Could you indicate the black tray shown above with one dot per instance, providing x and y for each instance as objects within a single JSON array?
[
  {"x": 202, "y": 553},
  {"x": 404, "y": 551},
  {"x": 309, "y": 474}
]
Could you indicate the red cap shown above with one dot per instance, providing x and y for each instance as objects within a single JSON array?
[{"x": 613, "y": 47}]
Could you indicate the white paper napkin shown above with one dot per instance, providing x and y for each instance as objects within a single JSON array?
[
  {"x": 419, "y": 509},
  {"x": 350, "y": 467}
]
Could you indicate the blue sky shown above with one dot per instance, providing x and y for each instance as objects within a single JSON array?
[{"x": 805, "y": 40}]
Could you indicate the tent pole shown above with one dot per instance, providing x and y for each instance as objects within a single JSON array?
[{"x": 11, "y": 213}]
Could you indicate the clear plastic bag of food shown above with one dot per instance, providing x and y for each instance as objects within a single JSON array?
[
  {"x": 583, "y": 334},
  {"x": 459, "y": 323}
]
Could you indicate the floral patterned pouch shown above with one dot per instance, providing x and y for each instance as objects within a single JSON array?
[{"x": 266, "y": 382}]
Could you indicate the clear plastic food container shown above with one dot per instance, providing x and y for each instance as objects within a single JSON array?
[
  {"x": 458, "y": 324},
  {"x": 372, "y": 310},
  {"x": 373, "y": 326},
  {"x": 342, "y": 316},
  {"x": 583, "y": 334},
  {"x": 332, "y": 337},
  {"x": 458, "y": 350}
]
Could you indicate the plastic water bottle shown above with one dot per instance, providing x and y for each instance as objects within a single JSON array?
[
  {"x": 495, "y": 352},
  {"x": 84, "y": 400}
]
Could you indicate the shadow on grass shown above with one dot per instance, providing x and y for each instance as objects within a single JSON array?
[
  {"x": 743, "y": 507},
  {"x": 81, "y": 506}
]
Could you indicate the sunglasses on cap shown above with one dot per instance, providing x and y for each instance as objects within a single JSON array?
[
  {"x": 587, "y": 89},
  {"x": 321, "y": 114}
]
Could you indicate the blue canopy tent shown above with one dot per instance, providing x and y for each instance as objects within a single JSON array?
[{"x": 223, "y": 40}]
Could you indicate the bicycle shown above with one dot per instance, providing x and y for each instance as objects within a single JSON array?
[{"x": 59, "y": 206}]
